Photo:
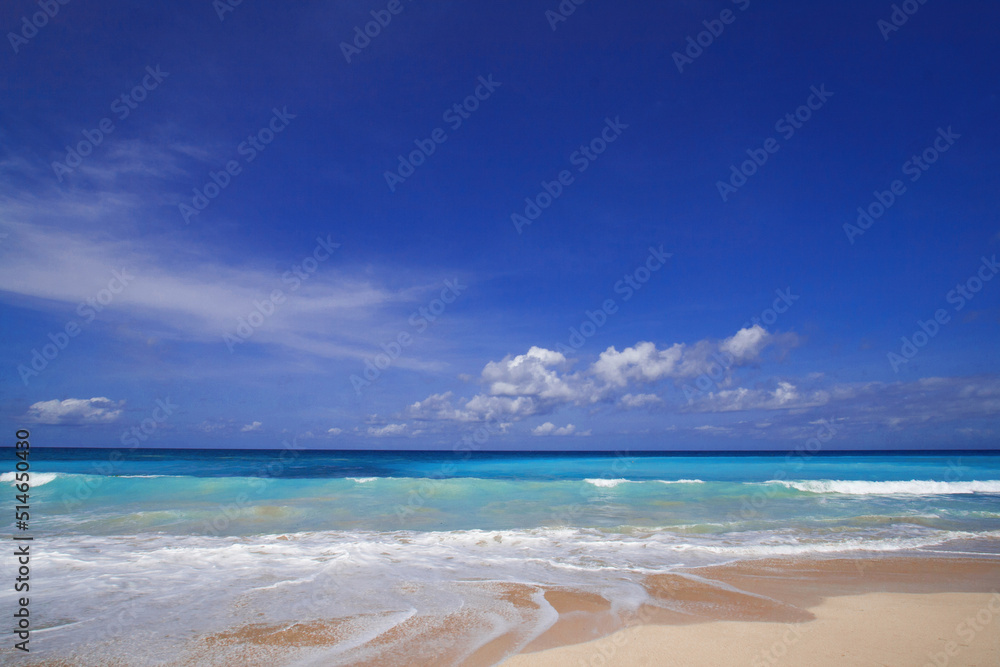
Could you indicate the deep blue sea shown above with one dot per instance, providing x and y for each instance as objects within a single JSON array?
[{"x": 189, "y": 540}]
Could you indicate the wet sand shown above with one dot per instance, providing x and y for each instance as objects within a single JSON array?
[
  {"x": 879, "y": 611},
  {"x": 894, "y": 629},
  {"x": 885, "y": 611}
]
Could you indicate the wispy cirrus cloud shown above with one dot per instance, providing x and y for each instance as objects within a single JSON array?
[{"x": 63, "y": 243}]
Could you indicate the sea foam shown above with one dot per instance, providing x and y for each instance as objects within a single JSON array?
[{"x": 914, "y": 487}]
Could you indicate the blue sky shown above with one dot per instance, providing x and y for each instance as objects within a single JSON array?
[{"x": 262, "y": 211}]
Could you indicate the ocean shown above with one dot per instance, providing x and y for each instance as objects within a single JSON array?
[{"x": 141, "y": 553}]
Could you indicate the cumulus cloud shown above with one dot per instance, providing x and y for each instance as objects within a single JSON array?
[
  {"x": 335, "y": 431},
  {"x": 387, "y": 430},
  {"x": 438, "y": 407},
  {"x": 540, "y": 381},
  {"x": 515, "y": 387},
  {"x": 639, "y": 400},
  {"x": 746, "y": 344},
  {"x": 75, "y": 411},
  {"x": 540, "y": 373},
  {"x": 253, "y": 426},
  {"x": 784, "y": 396},
  {"x": 548, "y": 428},
  {"x": 644, "y": 363},
  {"x": 491, "y": 408}
]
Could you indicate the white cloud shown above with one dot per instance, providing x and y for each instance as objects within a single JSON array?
[
  {"x": 714, "y": 430},
  {"x": 784, "y": 396},
  {"x": 548, "y": 428},
  {"x": 75, "y": 411},
  {"x": 643, "y": 363},
  {"x": 639, "y": 400},
  {"x": 746, "y": 344},
  {"x": 189, "y": 295},
  {"x": 387, "y": 430},
  {"x": 439, "y": 407},
  {"x": 503, "y": 407},
  {"x": 536, "y": 374},
  {"x": 335, "y": 431},
  {"x": 63, "y": 242},
  {"x": 540, "y": 381},
  {"x": 901, "y": 410},
  {"x": 253, "y": 426},
  {"x": 215, "y": 425}
]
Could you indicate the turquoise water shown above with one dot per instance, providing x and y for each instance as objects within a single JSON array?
[
  {"x": 138, "y": 535},
  {"x": 185, "y": 492}
]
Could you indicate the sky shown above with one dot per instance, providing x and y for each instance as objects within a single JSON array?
[{"x": 530, "y": 225}]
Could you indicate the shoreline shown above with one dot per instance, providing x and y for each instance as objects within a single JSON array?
[
  {"x": 900, "y": 610},
  {"x": 731, "y": 613},
  {"x": 891, "y": 609},
  {"x": 919, "y": 629}
]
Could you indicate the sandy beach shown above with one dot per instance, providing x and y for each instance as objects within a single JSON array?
[
  {"x": 891, "y": 611},
  {"x": 870, "y": 629},
  {"x": 942, "y": 612},
  {"x": 879, "y": 611}
]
